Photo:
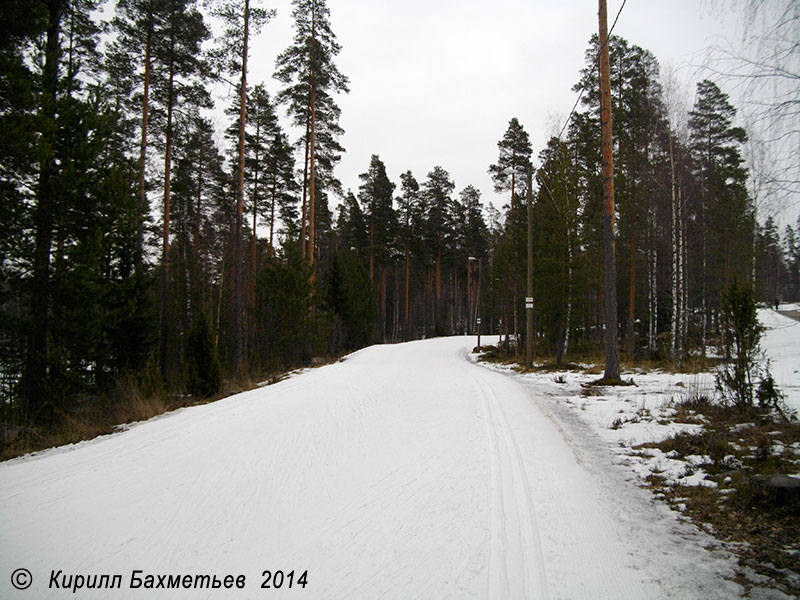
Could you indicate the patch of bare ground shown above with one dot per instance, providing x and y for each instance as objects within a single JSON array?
[{"x": 752, "y": 503}]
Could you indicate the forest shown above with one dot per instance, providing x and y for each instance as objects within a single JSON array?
[{"x": 146, "y": 254}]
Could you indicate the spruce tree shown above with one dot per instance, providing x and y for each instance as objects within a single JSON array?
[{"x": 556, "y": 217}]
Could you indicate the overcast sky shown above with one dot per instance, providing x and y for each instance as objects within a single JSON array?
[{"x": 435, "y": 82}]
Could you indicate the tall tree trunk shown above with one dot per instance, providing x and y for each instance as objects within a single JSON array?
[
  {"x": 568, "y": 317},
  {"x": 439, "y": 274},
  {"x": 236, "y": 281},
  {"x": 676, "y": 304},
  {"x": 312, "y": 191},
  {"x": 304, "y": 210},
  {"x": 468, "y": 328},
  {"x": 219, "y": 299},
  {"x": 684, "y": 291},
  {"x": 164, "y": 317},
  {"x": 372, "y": 246},
  {"x": 35, "y": 377},
  {"x": 513, "y": 182},
  {"x": 383, "y": 303},
  {"x": 139, "y": 258},
  {"x": 271, "y": 249},
  {"x": 652, "y": 288},
  {"x": 514, "y": 313},
  {"x": 196, "y": 274},
  {"x": 405, "y": 303},
  {"x": 254, "y": 239},
  {"x": 629, "y": 334},
  {"x": 561, "y": 312},
  {"x": 753, "y": 246},
  {"x": 609, "y": 260},
  {"x": 703, "y": 234},
  {"x": 704, "y": 307}
]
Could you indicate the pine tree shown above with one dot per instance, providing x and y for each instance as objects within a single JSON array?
[
  {"x": 437, "y": 191},
  {"x": 470, "y": 247},
  {"x": 723, "y": 202},
  {"x": 375, "y": 194},
  {"x": 410, "y": 219},
  {"x": 269, "y": 164},
  {"x": 769, "y": 263},
  {"x": 513, "y": 161},
  {"x": 311, "y": 78},
  {"x": 240, "y": 21},
  {"x": 175, "y": 52},
  {"x": 134, "y": 21},
  {"x": 21, "y": 24},
  {"x": 352, "y": 229}
]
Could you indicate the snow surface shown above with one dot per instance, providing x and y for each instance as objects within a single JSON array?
[
  {"x": 781, "y": 342},
  {"x": 622, "y": 418},
  {"x": 405, "y": 471}
]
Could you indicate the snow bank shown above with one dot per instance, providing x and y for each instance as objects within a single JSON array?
[{"x": 781, "y": 343}]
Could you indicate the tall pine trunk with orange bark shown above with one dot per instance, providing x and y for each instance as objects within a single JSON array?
[
  {"x": 241, "y": 20},
  {"x": 310, "y": 79}
]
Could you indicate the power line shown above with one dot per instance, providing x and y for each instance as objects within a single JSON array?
[{"x": 580, "y": 95}]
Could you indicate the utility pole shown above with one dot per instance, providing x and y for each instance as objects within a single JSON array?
[
  {"x": 609, "y": 259},
  {"x": 529, "y": 297}
]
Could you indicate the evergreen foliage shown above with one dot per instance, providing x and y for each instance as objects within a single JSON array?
[
  {"x": 351, "y": 299},
  {"x": 205, "y": 371},
  {"x": 741, "y": 334},
  {"x": 113, "y": 177}
]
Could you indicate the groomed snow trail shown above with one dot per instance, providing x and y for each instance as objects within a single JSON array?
[{"x": 403, "y": 472}]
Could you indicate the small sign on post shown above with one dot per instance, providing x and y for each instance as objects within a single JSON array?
[{"x": 479, "y": 333}]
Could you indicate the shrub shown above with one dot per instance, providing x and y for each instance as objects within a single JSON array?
[{"x": 741, "y": 334}]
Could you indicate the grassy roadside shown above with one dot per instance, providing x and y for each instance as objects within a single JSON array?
[
  {"x": 128, "y": 402},
  {"x": 743, "y": 454}
]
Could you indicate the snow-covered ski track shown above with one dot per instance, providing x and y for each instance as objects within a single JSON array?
[{"x": 404, "y": 472}]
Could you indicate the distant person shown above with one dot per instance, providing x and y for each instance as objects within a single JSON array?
[{"x": 776, "y": 304}]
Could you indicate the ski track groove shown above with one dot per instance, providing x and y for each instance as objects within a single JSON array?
[
  {"x": 509, "y": 475},
  {"x": 405, "y": 474}
]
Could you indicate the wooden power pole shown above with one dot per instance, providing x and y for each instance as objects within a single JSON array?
[
  {"x": 609, "y": 260},
  {"x": 529, "y": 296}
]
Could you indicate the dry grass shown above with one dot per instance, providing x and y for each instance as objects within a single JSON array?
[
  {"x": 741, "y": 447},
  {"x": 131, "y": 399}
]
